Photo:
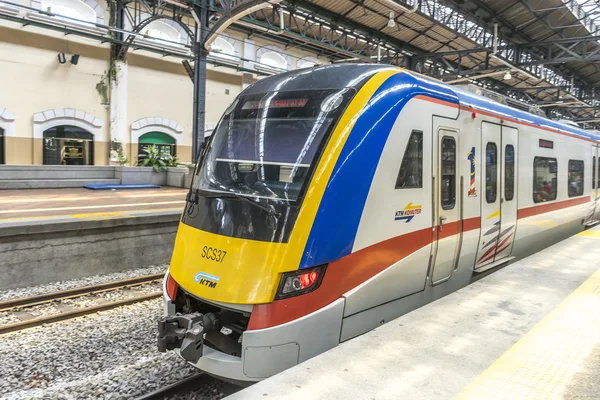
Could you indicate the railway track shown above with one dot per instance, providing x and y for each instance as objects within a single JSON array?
[
  {"x": 22, "y": 304},
  {"x": 188, "y": 385}
]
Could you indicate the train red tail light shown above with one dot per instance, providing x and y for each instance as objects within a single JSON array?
[
  {"x": 172, "y": 287},
  {"x": 300, "y": 282}
]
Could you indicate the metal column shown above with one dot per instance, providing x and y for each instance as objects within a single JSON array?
[{"x": 199, "y": 81}]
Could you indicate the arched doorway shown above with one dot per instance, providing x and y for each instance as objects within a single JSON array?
[
  {"x": 2, "y": 146},
  {"x": 68, "y": 145},
  {"x": 166, "y": 144}
]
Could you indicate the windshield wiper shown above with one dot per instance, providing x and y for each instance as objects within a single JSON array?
[{"x": 232, "y": 195}]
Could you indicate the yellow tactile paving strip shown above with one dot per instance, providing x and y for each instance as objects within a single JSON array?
[
  {"x": 590, "y": 233},
  {"x": 47, "y": 203},
  {"x": 94, "y": 216},
  {"x": 103, "y": 206},
  {"x": 542, "y": 363}
]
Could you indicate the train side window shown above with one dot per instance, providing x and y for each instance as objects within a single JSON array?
[
  {"x": 448, "y": 178},
  {"x": 594, "y": 172},
  {"x": 491, "y": 175},
  {"x": 545, "y": 172},
  {"x": 575, "y": 180},
  {"x": 509, "y": 172},
  {"x": 411, "y": 169},
  {"x": 598, "y": 175}
]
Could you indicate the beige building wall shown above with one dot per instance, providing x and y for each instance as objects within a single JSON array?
[
  {"x": 35, "y": 82},
  {"x": 161, "y": 88}
]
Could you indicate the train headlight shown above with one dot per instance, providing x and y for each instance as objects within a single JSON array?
[{"x": 300, "y": 282}]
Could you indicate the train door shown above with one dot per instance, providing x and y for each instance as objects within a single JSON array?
[
  {"x": 592, "y": 217},
  {"x": 596, "y": 177},
  {"x": 508, "y": 193},
  {"x": 446, "y": 226},
  {"x": 498, "y": 202}
]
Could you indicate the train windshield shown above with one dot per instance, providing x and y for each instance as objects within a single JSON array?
[{"x": 265, "y": 145}]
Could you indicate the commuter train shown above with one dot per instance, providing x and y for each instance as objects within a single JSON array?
[{"x": 331, "y": 200}]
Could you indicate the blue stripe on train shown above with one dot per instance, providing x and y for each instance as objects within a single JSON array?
[{"x": 336, "y": 223}]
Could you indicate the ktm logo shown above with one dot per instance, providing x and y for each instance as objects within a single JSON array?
[
  {"x": 208, "y": 280},
  {"x": 208, "y": 283}
]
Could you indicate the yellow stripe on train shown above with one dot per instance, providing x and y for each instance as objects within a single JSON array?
[{"x": 232, "y": 270}]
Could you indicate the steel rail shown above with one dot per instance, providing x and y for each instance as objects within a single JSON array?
[
  {"x": 186, "y": 384},
  {"x": 77, "y": 292},
  {"x": 17, "y": 326}
]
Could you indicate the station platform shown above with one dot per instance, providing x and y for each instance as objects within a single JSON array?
[
  {"x": 60, "y": 234},
  {"x": 528, "y": 331},
  {"x": 53, "y": 207},
  {"x": 50, "y": 203}
]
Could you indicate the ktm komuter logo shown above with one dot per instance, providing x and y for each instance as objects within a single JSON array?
[{"x": 408, "y": 213}]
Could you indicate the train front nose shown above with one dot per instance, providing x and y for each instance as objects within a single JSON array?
[
  {"x": 244, "y": 343},
  {"x": 225, "y": 269}
]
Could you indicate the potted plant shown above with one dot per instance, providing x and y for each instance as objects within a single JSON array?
[
  {"x": 153, "y": 159},
  {"x": 150, "y": 168},
  {"x": 175, "y": 173}
]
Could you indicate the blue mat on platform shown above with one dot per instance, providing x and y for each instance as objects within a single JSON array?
[{"x": 111, "y": 187}]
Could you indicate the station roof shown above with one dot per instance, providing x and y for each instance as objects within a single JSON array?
[{"x": 548, "y": 46}]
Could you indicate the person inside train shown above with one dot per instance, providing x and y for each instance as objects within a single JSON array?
[
  {"x": 542, "y": 194},
  {"x": 547, "y": 187}
]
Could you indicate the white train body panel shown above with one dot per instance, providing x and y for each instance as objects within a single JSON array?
[{"x": 423, "y": 190}]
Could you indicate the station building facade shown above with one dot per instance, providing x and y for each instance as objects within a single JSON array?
[{"x": 58, "y": 105}]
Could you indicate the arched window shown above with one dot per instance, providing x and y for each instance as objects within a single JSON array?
[
  {"x": 70, "y": 8},
  {"x": 68, "y": 145},
  {"x": 221, "y": 48},
  {"x": 7, "y": 129},
  {"x": 162, "y": 31},
  {"x": 165, "y": 143},
  {"x": 273, "y": 59},
  {"x": 307, "y": 62}
]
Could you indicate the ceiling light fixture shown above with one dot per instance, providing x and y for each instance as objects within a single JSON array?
[
  {"x": 507, "y": 76},
  {"x": 391, "y": 23}
]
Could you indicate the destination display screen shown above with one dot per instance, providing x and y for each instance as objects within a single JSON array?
[{"x": 279, "y": 103}]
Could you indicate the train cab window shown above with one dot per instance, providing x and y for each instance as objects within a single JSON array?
[
  {"x": 411, "y": 169},
  {"x": 594, "y": 172},
  {"x": 448, "y": 178},
  {"x": 267, "y": 144},
  {"x": 575, "y": 180},
  {"x": 545, "y": 171},
  {"x": 491, "y": 175},
  {"x": 509, "y": 172}
]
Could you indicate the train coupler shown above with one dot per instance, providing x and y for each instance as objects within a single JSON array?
[{"x": 185, "y": 332}]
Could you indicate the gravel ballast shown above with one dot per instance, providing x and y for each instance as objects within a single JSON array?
[{"x": 110, "y": 355}]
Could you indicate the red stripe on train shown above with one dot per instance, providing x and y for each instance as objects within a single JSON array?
[
  {"x": 344, "y": 274},
  {"x": 350, "y": 271},
  {"x": 543, "y": 208}
]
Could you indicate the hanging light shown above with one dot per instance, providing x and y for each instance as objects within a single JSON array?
[
  {"x": 507, "y": 76},
  {"x": 391, "y": 23}
]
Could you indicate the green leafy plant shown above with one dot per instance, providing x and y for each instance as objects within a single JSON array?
[
  {"x": 153, "y": 159},
  {"x": 122, "y": 160},
  {"x": 170, "y": 160}
]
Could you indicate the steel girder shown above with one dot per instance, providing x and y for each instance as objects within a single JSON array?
[
  {"x": 326, "y": 32},
  {"x": 455, "y": 13},
  {"x": 558, "y": 51}
]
